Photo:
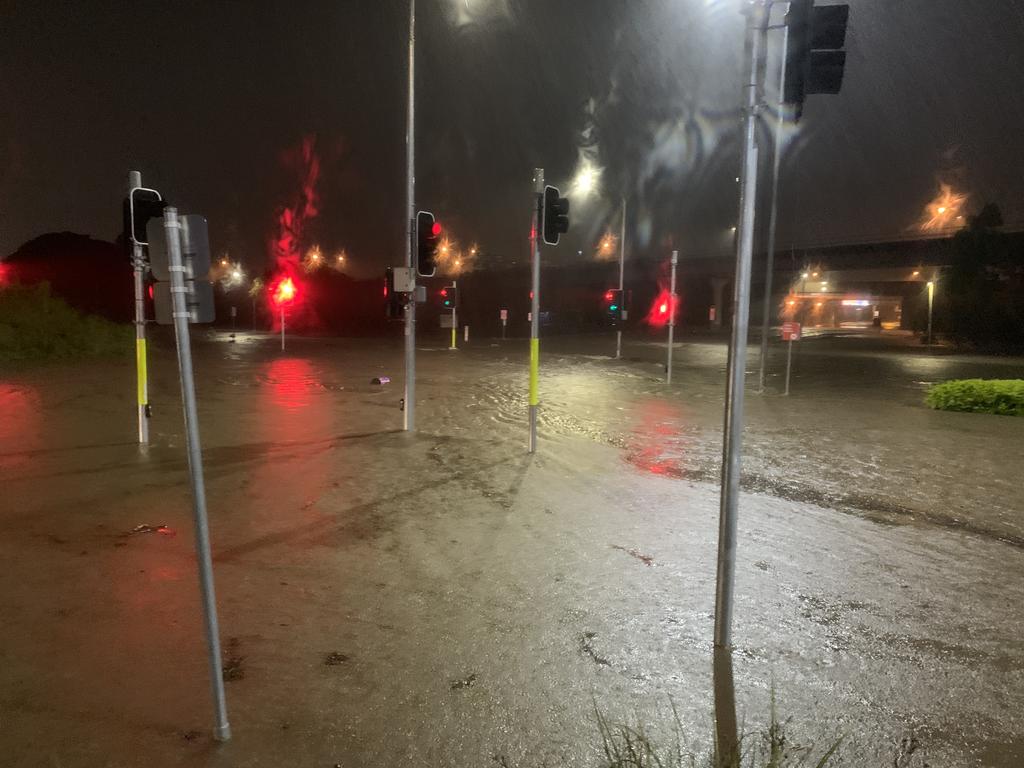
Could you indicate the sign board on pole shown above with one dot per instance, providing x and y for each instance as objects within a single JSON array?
[
  {"x": 503, "y": 314},
  {"x": 791, "y": 331},
  {"x": 195, "y": 247},
  {"x": 447, "y": 321},
  {"x": 404, "y": 279}
]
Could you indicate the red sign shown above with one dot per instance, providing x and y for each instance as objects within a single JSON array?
[{"x": 791, "y": 331}]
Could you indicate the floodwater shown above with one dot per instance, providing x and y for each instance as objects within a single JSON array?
[{"x": 444, "y": 599}]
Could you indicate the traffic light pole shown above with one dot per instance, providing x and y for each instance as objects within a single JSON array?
[
  {"x": 622, "y": 274},
  {"x": 141, "y": 374},
  {"x": 181, "y": 316},
  {"x": 409, "y": 409},
  {"x": 538, "y": 223},
  {"x": 455, "y": 312},
  {"x": 773, "y": 215},
  {"x": 726, "y": 736},
  {"x": 671, "y": 317}
]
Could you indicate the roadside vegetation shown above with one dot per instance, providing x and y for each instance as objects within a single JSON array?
[
  {"x": 37, "y": 326},
  {"x": 1004, "y": 397}
]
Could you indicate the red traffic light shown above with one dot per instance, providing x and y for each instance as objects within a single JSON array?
[
  {"x": 609, "y": 295},
  {"x": 663, "y": 308},
  {"x": 444, "y": 291},
  {"x": 435, "y": 228},
  {"x": 284, "y": 292}
]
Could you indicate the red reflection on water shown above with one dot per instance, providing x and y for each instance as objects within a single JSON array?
[
  {"x": 20, "y": 424},
  {"x": 292, "y": 381},
  {"x": 658, "y": 440}
]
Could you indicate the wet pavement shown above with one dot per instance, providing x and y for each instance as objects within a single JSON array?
[{"x": 444, "y": 599}]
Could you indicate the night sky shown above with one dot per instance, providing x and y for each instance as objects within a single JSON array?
[{"x": 206, "y": 97}]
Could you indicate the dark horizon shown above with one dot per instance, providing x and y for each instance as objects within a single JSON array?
[{"x": 651, "y": 91}]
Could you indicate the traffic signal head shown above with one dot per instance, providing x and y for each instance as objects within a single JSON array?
[
  {"x": 814, "y": 57},
  {"x": 555, "y": 214},
  {"x": 394, "y": 303},
  {"x": 140, "y": 206},
  {"x": 613, "y": 304},
  {"x": 428, "y": 237},
  {"x": 450, "y": 296}
]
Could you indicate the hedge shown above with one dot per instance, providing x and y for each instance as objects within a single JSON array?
[
  {"x": 34, "y": 325},
  {"x": 1004, "y": 397}
]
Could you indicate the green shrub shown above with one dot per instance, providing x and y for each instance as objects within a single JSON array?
[
  {"x": 1000, "y": 396},
  {"x": 37, "y": 326}
]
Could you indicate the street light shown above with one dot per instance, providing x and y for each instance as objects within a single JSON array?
[
  {"x": 931, "y": 301},
  {"x": 587, "y": 176}
]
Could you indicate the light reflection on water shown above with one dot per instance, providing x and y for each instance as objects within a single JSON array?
[
  {"x": 292, "y": 383},
  {"x": 20, "y": 424}
]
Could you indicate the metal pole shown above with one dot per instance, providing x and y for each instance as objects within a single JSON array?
[
  {"x": 181, "y": 316},
  {"x": 455, "y": 316},
  {"x": 931, "y": 299},
  {"x": 671, "y": 317},
  {"x": 622, "y": 274},
  {"x": 282, "y": 328},
  {"x": 725, "y": 714},
  {"x": 141, "y": 374},
  {"x": 789, "y": 364},
  {"x": 538, "y": 188},
  {"x": 772, "y": 216},
  {"x": 409, "y": 411}
]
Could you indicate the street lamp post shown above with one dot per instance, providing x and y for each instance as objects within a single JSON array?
[
  {"x": 409, "y": 411},
  {"x": 622, "y": 274},
  {"x": 772, "y": 217},
  {"x": 726, "y": 734}
]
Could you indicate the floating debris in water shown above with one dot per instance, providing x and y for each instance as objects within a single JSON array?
[
  {"x": 645, "y": 559},
  {"x": 334, "y": 658},
  {"x": 162, "y": 529},
  {"x": 465, "y": 682}
]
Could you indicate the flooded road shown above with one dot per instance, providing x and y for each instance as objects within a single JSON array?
[{"x": 444, "y": 599}]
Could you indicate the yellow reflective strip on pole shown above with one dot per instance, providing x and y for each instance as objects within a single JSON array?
[
  {"x": 140, "y": 366},
  {"x": 453, "y": 337},
  {"x": 534, "y": 366}
]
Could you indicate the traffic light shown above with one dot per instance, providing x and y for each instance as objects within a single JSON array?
[
  {"x": 450, "y": 296},
  {"x": 555, "y": 215},
  {"x": 140, "y": 206},
  {"x": 814, "y": 56},
  {"x": 428, "y": 237},
  {"x": 613, "y": 304},
  {"x": 394, "y": 302}
]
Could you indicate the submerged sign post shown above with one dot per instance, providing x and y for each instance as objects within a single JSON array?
[
  {"x": 790, "y": 333},
  {"x": 181, "y": 269},
  {"x": 503, "y": 314}
]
